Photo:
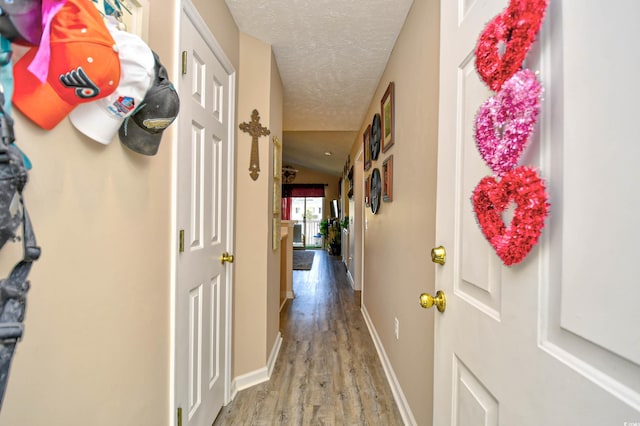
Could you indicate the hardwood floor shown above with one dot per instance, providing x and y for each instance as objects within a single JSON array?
[{"x": 328, "y": 371}]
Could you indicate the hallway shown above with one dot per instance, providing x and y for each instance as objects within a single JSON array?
[{"x": 328, "y": 371}]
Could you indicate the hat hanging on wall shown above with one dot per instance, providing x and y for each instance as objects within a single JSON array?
[
  {"x": 142, "y": 131},
  {"x": 21, "y": 21},
  {"x": 6, "y": 85},
  {"x": 83, "y": 66},
  {"x": 6, "y": 72},
  {"x": 100, "y": 120}
]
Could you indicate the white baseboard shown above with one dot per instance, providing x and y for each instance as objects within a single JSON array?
[
  {"x": 289, "y": 296},
  {"x": 249, "y": 379},
  {"x": 398, "y": 395},
  {"x": 273, "y": 357},
  {"x": 260, "y": 375},
  {"x": 232, "y": 392},
  {"x": 351, "y": 281}
]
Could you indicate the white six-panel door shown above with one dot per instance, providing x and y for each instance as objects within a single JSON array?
[
  {"x": 554, "y": 340},
  {"x": 204, "y": 214}
]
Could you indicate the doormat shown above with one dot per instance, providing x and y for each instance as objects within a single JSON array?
[{"x": 303, "y": 259}]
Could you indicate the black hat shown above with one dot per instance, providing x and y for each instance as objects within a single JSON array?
[{"x": 142, "y": 131}]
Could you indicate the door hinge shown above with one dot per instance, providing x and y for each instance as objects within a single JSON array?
[
  {"x": 181, "y": 248},
  {"x": 179, "y": 416},
  {"x": 184, "y": 62}
]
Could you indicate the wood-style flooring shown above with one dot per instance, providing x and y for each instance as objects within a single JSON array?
[{"x": 328, "y": 371}]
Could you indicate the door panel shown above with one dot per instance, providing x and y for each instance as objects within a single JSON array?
[
  {"x": 591, "y": 293},
  {"x": 473, "y": 404},
  {"x": 553, "y": 339},
  {"x": 478, "y": 272},
  {"x": 215, "y": 320},
  {"x": 195, "y": 348}
]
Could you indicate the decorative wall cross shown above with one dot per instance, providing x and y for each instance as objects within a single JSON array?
[{"x": 255, "y": 129}]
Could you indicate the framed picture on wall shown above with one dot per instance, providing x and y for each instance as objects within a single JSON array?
[
  {"x": 277, "y": 192},
  {"x": 376, "y": 190},
  {"x": 387, "y": 179},
  {"x": 387, "y": 110},
  {"x": 376, "y": 130},
  {"x": 366, "y": 147}
]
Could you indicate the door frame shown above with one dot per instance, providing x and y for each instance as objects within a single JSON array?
[
  {"x": 187, "y": 8},
  {"x": 358, "y": 188}
]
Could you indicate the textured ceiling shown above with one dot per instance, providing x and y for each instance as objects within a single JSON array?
[{"x": 331, "y": 55}]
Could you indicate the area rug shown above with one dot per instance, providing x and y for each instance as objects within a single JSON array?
[{"x": 303, "y": 259}]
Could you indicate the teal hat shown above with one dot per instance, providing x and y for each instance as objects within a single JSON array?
[
  {"x": 6, "y": 83},
  {"x": 6, "y": 73}
]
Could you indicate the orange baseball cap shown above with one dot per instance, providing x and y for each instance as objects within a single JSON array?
[{"x": 84, "y": 66}]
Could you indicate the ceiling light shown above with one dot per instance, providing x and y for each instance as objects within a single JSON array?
[{"x": 328, "y": 153}]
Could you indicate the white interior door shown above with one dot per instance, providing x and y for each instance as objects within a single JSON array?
[
  {"x": 554, "y": 340},
  {"x": 204, "y": 214}
]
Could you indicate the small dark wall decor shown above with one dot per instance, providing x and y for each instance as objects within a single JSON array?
[
  {"x": 387, "y": 179},
  {"x": 366, "y": 148},
  {"x": 375, "y": 137},
  {"x": 376, "y": 190},
  {"x": 388, "y": 121}
]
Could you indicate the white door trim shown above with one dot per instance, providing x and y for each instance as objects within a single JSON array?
[
  {"x": 358, "y": 247},
  {"x": 187, "y": 8}
]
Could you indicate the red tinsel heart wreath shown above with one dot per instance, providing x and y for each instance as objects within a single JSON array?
[
  {"x": 505, "y": 121},
  {"x": 515, "y": 29},
  {"x": 523, "y": 187}
]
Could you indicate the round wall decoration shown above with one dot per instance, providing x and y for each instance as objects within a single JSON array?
[
  {"x": 376, "y": 136},
  {"x": 376, "y": 190}
]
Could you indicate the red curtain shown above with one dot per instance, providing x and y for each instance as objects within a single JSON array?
[
  {"x": 303, "y": 190},
  {"x": 286, "y": 208},
  {"x": 291, "y": 190}
]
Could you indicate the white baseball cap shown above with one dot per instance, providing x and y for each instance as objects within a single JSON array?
[{"x": 101, "y": 119}]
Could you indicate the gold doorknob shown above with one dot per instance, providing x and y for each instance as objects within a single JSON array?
[
  {"x": 440, "y": 301},
  {"x": 438, "y": 255},
  {"x": 226, "y": 257}
]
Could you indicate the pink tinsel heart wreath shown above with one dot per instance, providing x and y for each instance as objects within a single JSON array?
[
  {"x": 523, "y": 187},
  {"x": 516, "y": 29},
  {"x": 505, "y": 121}
]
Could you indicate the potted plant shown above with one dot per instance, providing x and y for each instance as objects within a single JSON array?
[
  {"x": 324, "y": 230},
  {"x": 335, "y": 238},
  {"x": 332, "y": 236}
]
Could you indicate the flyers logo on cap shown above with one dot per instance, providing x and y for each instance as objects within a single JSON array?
[
  {"x": 78, "y": 79},
  {"x": 83, "y": 65}
]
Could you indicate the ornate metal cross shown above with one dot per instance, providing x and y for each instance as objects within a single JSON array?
[{"x": 255, "y": 129}]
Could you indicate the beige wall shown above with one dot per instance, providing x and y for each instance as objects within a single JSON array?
[
  {"x": 356, "y": 209},
  {"x": 257, "y": 278},
  {"x": 97, "y": 330},
  {"x": 397, "y": 267}
]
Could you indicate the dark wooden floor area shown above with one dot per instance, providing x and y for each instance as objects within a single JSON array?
[{"x": 328, "y": 371}]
